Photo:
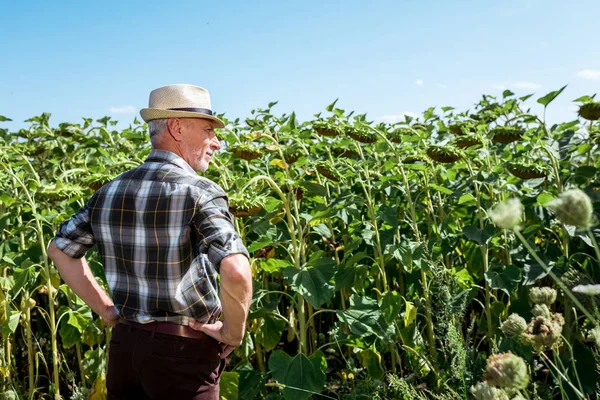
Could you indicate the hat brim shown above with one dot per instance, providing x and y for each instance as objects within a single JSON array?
[{"x": 149, "y": 114}]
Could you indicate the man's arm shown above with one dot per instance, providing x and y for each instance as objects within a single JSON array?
[
  {"x": 77, "y": 274},
  {"x": 236, "y": 296}
]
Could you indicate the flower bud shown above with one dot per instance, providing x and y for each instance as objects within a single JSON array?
[
  {"x": 542, "y": 333},
  {"x": 506, "y": 370},
  {"x": 543, "y": 295},
  {"x": 507, "y": 215},
  {"x": 591, "y": 290},
  {"x": 483, "y": 391},
  {"x": 573, "y": 207},
  {"x": 540, "y": 310},
  {"x": 514, "y": 325}
]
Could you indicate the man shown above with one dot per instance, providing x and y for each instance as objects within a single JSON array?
[{"x": 164, "y": 234}]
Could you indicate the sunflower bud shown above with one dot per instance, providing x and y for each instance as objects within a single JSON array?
[
  {"x": 590, "y": 290},
  {"x": 483, "y": 391},
  {"x": 542, "y": 333},
  {"x": 507, "y": 215},
  {"x": 543, "y": 295},
  {"x": 573, "y": 207},
  {"x": 506, "y": 370},
  {"x": 540, "y": 310},
  {"x": 514, "y": 325}
]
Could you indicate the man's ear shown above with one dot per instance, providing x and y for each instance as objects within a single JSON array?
[{"x": 174, "y": 127}]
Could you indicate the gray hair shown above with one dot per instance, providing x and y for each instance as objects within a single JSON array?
[{"x": 156, "y": 126}]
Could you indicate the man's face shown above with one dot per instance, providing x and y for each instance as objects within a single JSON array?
[{"x": 199, "y": 142}]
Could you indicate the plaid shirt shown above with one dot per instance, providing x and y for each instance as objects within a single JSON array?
[{"x": 162, "y": 232}]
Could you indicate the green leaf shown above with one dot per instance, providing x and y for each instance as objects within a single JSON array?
[
  {"x": 269, "y": 332},
  {"x": 344, "y": 277},
  {"x": 524, "y": 98},
  {"x": 330, "y": 107},
  {"x": 467, "y": 198},
  {"x": 360, "y": 322},
  {"x": 22, "y": 277},
  {"x": 3, "y": 118},
  {"x": 410, "y": 313},
  {"x": 8, "y": 260},
  {"x": 584, "y": 148},
  {"x": 544, "y": 197},
  {"x": 302, "y": 376},
  {"x": 314, "y": 189},
  {"x": 547, "y": 99},
  {"x": 507, "y": 93},
  {"x": 389, "y": 215},
  {"x": 440, "y": 188},
  {"x": 481, "y": 236},
  {"x": 504, "y": 278},
  {"x": 10, "y": 325},
  {"x": 6, "y": 199},
  {"x": 250, "y": 382},
  {"x": 229, "y": 386},
  {"x": 259, "y": 245},
  {"x": 322, "y": 230},
  {"x": 391, "y": 304},
  {"x": 293, "y": 122},
  {"x": 409, "y": 253},
  {"x": 583, "y": 99},
  {"x": 273, "y": 264},
  {"x": 586, "y": 171},
  {"x": 272, "y": 204},
  {"x": 311, "y": 283},
  {"x": 371, "y": 360}
]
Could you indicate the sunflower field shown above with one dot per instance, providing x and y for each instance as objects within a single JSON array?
[{"x": 449, "y": 256}]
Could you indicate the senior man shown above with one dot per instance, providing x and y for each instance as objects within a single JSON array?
[{"x": 164, "y": 235}]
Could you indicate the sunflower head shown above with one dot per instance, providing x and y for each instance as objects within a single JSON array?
[
  {"x": 462, "y": 128},
  {"x": 507, "y": 134},
  {"x": 246, "y": 152},
  {"x": 328, "y": 170},
  {"x": 527, "y": 169},
  {"x": 325, "y": 128},
  {"x": 293, "y": 153},
  {"x": 361, "y": 134},
  {"x": 590, "y": 111},
  {"x": 443, "y": 154},
  {"x": 245, "y": 204}
]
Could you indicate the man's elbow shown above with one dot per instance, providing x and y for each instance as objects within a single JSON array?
[{"x": 236, "y": 268}]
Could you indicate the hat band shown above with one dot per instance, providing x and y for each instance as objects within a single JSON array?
[{"x": 197, "y": 110}]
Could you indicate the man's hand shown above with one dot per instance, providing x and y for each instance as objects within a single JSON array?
[
  {"x": 110, "y": 316},
  {"x": 215, "y": 331}
]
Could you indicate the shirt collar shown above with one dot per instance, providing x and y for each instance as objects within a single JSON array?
[{"x": 157, "y": 155}]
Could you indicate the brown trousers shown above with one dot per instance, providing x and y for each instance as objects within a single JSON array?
[{"x": 148, "y": 365}]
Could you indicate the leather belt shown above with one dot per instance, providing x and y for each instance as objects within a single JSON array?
[{"x": 167, "y": 329}]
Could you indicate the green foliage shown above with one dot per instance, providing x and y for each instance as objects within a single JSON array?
[{"x": 377, "y": 270}]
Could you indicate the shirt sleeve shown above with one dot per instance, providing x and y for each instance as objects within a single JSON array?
[
  {"x": 74, "y": 236},
  {"x": 214, "y": 224}
]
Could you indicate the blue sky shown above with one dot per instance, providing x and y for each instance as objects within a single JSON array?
[{"x": 91, "y": 59}]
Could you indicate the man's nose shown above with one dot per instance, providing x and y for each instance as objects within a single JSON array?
[{"x": 215, "y": 145}]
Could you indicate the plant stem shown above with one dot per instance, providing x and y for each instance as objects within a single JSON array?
[{"x": 556, "y": 279}]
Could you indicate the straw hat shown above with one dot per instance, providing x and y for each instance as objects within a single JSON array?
[{"x": 180, "y": 101}]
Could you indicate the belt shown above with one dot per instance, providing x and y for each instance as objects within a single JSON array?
[{"x": 167, "y": 329}]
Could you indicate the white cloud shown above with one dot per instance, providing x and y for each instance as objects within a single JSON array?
[
  {"x": 442, "y": 85},
  {"x": 392, "y": 119},
  {"x": 419, "y": 82},
  {"x": 123, "y": 110},
  {"x": 589, "y": 74},
  {"x": 573, "y": 108},
  {"x": 500, "y": 87},
  {"x": 526, "y": 85}
]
